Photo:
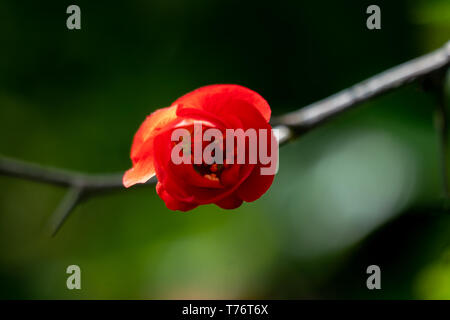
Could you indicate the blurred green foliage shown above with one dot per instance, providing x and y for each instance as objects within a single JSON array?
[{"x": 358, "y": 191}]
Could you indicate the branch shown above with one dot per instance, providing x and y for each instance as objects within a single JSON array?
[
  {"x": 80, "y": 185},
  {"x": 309, "y": 117},
  {"x": 65, "y": 178},
  {"x": 289, "y": 126}
]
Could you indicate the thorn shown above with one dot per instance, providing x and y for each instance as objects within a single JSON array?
[{"x": 66, "y": 206}]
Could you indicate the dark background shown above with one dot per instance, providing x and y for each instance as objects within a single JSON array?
[{"x": 363, "y": 189}]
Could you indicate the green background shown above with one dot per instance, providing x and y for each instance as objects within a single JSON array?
[{"x": 363, "y": 189}]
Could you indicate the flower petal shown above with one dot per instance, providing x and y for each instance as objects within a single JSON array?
[
  {"x": 141, "y": 172},
  {"x": 230, "y": 202},
  {"x": 217, "y": 97},
  {"x": 142, "y": 154},
  {"x": 149, "y": 128},
  {"x": 255, "y": 186},
  {"x": 172, "y": 203}
]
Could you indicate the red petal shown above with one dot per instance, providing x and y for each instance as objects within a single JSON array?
[
  {"x": 149, "y": 128},
  {"x": 215, "y": 98},
  {"x": 140, "y": 173},
  {"x": 172, "y": 203},
  {"x": 255, "y": 186},
  {"x": 142, "y": 154},
  {"x": 230, "y": 202}
]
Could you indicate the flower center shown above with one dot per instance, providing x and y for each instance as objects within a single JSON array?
[{"x": 211, "y": 172}]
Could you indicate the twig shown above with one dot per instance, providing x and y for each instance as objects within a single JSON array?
[
  {"x": 290, "y": 126},
  {"x": 80, "y": 185},
  {"x": 65, "y": 178},
  {"x": 315, "y": 114}
]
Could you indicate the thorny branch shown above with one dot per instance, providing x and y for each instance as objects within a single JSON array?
[
  {"x": 290, "y": 125},
  {"x": 308, "y": 117},
  {"x": 80, "y": 185}
]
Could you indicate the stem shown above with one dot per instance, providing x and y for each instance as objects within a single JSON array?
[{"x": 309, "y": 117}]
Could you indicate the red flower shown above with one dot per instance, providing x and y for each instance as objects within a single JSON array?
[{"x": 185, "y": 186}]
